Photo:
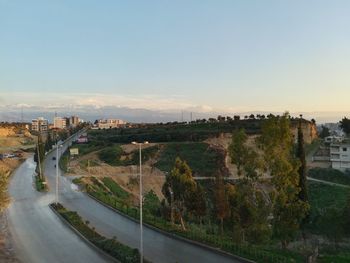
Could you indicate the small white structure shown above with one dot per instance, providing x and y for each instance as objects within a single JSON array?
[{"x": 340, "y": 155}]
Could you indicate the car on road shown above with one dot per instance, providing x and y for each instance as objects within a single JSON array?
[{"x": 54, "y": 158}]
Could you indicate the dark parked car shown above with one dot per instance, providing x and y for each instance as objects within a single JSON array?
[{"x": 54, "y": 158}]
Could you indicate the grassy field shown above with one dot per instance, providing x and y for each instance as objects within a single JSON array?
[
  {"x": 325, "y": 201},
  {"x": 203, "y": 160},
  {"x": 330, "y": 175}
]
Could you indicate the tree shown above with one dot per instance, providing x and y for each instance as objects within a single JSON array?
[
  {"x": 250, "y": 211},
  {"x": 151, "y": 203},
  {"x": 237, "y": 149},
  {"x": 197, "y": 204},
  {"x": 288, "y": 210},
  {"x": 324, "y": 132},
  {"x": 303, "y": 194},
  {"x": 49, "y": 142},
  {"x": 39, "y": 154},
  {"x": 221, "y": 201},
  {"x": 345, "y": 125},
  {"x": 236, "y": 117},
  {"x": 178, "y": 188}
]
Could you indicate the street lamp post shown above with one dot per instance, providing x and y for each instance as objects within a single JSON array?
[
  {"x": 57, "y": 146},
  {"x": 141, "y": 199}
]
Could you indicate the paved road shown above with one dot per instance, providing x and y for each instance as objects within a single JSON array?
[
  {"x": 40, "y": 237},
  {"x": 38, "y": 234}
]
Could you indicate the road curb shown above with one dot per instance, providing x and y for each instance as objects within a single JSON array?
[
  {"x": 88, "y": 242},
  {"x": 189, "y": 241}
]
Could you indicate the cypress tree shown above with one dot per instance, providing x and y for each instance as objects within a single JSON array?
[{"x": 303, "y": 194}]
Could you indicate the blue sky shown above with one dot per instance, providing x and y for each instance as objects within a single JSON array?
[{"x": 205, "y": 55}]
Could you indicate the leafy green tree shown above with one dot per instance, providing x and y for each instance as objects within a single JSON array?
[
  {"x": 249, "y": 206},
  {"x": 288, "y": 210},
  {"x": 221, "y": 203},
  {"x": 179, "y": 187},
  {"x": 49, "y": 142},
  {"x": 237, "y": 149},
  {"x": 345, "y": 125},
  {"x": 303, "y": 194},
  {"x": 152, "y": 203},
  {"x": 196, "y": 204},
  {"x": 250, "y": 209},
  {"x": 39, "y": 154}
]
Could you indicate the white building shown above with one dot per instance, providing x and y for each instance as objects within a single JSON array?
[
  {"x": 340, "y": 155},
  {"x": 110, "y": 124},
  {"x": 40, "y": 124},
  {"x": 60, "y": 123}
]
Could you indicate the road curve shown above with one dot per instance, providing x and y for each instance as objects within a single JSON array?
[
  {"x": 38, "y": 235},
  {"x": 157, "y": 247}
]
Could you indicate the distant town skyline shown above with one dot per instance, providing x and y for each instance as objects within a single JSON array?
[{"x": 200, "y": 56}]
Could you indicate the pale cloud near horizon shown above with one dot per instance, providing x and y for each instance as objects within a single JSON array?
[{"x": 171, "y": 103}]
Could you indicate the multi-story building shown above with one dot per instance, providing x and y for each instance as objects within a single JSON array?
[
  {"x": 74, "y": 121},
  {"x": 110, "y": 124},
  {"x": 39, "y": 125},
  {"x": 340, "y": 155},
  {"x": 60, "y": 122}
]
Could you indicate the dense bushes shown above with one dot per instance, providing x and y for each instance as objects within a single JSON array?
[{"x": 174, "y": 132}]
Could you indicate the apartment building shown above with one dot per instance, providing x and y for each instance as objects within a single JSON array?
[
  {"x": 110, "y": 124},
  {"x": 74, "y": 121},
  {"x": 60, "y": 122},
  {"x": 340, "y": 155},
  {"x": 40, "y": 125}
]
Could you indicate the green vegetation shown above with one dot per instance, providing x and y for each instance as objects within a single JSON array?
[
  {"x": 111, "y": 155},
  {"x": 345, "y": 125},
  {"x": 330, "y": 175},
  {"x": 114, "y": 155},
  {"x": 111, "y": 246},
  {"x": 154, "y": 215},
  {"x": 40, "y": 184},
  {"x": 323, "y": 197},
  {"x": 203, "y": 160},
  {"x": 64, "y": 161},
  {"x": 337, "y": 257},
  {"x": 88, "y": 147},
  {"x": 115, "y": 188}
]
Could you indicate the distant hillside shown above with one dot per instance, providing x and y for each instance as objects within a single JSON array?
[{"x": 193, "y": 132}]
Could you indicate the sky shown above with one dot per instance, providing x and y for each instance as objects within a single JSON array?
[{"x": 224, "y": 55}]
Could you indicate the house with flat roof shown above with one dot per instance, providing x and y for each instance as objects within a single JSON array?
[{"x": 340, "y": 155}]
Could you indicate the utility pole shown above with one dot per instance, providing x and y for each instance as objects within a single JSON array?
[
  {"x": 141, "y": 199},
  {"x": 39, "y": 161}
]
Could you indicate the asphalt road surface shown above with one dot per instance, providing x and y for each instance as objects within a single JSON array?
[{"x": 37, "y": 231}]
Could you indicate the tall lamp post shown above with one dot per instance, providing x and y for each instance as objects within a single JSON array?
[
  {"x": 57, "y": 146},
  {"x": 141, "y": 199}
]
